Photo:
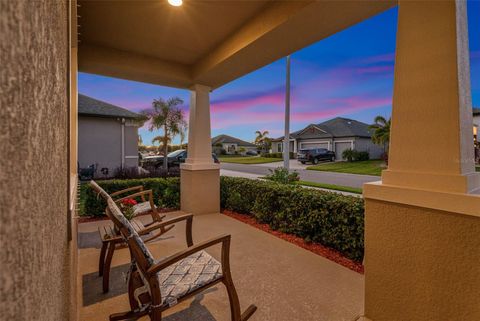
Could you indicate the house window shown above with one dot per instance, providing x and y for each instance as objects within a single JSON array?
[{"x": 279, "y": 147}]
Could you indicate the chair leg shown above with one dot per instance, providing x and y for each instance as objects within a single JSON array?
[
  {"x": 106, "y": 267},
  {"x": 248, "y": 312},
  {"x": 101, "y": 261},
  {"x": 156, "y": 314},
  {"x": 234, "y": 302},
  {"x": 130, "y": 315}
]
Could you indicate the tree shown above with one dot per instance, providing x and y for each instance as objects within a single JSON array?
[
  {"x": 381, "y": 132},
  {"x": 167, "y": 116},
  {"x": 262, "y": 140},
  {"x": 183, "y": 132}
]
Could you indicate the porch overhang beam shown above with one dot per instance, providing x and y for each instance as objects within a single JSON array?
[
  {"x": 274, "y": 33},
  {"x": 131, "y": 66}
]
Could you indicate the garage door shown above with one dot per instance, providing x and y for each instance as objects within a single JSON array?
[
  {"x": 340, "y": 147},
  {"x": 313, "y": 145}
]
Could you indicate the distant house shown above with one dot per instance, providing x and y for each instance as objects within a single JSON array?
[
  {"x": 337, "y": 134},
  {"x": 231, "y": 145},
  {"x": 107, "y": 136}
]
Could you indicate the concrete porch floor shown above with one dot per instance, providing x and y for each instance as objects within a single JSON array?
[{"x": 284, "y": 281}]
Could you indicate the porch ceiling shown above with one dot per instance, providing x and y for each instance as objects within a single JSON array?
[{"x": 205, "y": 42}]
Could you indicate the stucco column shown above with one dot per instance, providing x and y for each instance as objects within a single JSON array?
[
  {"x": 422, "y": 225},
  {"x": 200, "y": 176}
]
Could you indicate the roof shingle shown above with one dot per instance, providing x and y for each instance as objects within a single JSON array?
[
  {"x": 225, "y": 139},
  {"x": 94, "y": 107}
]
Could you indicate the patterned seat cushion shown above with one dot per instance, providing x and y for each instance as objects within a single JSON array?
[
  {"x": 141, "y": 208},
  {"x": 187, "y": 275}
]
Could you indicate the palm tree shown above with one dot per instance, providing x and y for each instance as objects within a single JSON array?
[
  {"x": 167, "y": 116},
  {"x": 381, "y": 132},
  {"x": 262, "y": 140},
  {"x": 183, "y": 132},
  {"x": 161, "y": 142}
]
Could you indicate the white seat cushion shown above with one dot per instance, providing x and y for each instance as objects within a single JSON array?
[
  {"x": 141, "y": 208},
  {"x": 187, "y": 275}
]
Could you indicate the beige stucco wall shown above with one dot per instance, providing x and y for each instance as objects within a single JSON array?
[
  {"x": 34, "y": 251},
  {"x": 421, "y": 264}
]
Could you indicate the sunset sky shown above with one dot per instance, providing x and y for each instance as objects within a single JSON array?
[{"x": 349, "y": 74}]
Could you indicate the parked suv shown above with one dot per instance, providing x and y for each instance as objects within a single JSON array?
[
  {"x": 315, "y": 155},
  {"x": 174, "y": 159}
]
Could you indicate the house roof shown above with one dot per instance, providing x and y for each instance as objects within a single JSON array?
[
  {"x": 94, "y": 107},
  {"x": 476, "y": 111},
  {"x": 338, "y": 127},
  {"x": 225, "y": 139}
]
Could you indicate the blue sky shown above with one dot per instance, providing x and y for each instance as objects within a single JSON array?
[{"x": 349, "y": 74}]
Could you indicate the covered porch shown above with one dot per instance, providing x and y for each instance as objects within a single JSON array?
[
  {"x": 287, "y": 282},
  {"x": 423, "y": 215},
  {"x": 422, "y": 231}
]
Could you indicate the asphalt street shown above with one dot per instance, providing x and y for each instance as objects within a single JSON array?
[{"x": 352, "y": 180}]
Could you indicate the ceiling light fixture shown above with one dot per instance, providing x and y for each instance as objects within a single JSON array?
[{"x": 175, "y": 3}]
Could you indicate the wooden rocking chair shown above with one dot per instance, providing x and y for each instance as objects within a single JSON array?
[
  {"x": 155, "y": 286},
  {"x": 111, "y": 238}
]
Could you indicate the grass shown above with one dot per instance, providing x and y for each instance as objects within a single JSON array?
[
  {"x": 477, "y": 168},
  {"x": 248, "y": 160},
  {"x": 371, "y": 167},
  {"x": 82, "y": 197},
  {"x": 332, "y": 187}
]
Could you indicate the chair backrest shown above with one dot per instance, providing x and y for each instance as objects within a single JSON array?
[
  {"x": 139, "y": 251},
  {"x": 100, "y": 191}
]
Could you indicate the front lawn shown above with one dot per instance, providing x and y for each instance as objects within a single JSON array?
[
  {"x": 248, "y": 160},
  {"x": 371, "y": 167},
  {"x": 331, "y": 186}
]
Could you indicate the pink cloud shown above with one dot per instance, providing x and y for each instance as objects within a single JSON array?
[
  {"x": 328, "y": 108},
  {"x": 236, "y": 105}
]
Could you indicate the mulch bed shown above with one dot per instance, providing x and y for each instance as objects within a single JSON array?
[
  {"x": 316, "y": 248},
  {"x": 86, "y": 219}
]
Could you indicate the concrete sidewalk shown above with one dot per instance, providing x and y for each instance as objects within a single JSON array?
[
  {"x": 341, "y": 179},
  {"x": 226, "y": 172}
]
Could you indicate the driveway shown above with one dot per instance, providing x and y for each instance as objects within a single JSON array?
[{"x": 352, "y": 180}]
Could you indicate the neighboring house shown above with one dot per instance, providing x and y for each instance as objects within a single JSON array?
[
  {"x": 107, "y": 136},
  {"x": 337, "y": 134},
  {"x": 230, "y": 144}
]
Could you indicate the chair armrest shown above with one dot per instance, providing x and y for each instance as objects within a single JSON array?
[
  {"x": 188, "y": 228},
  {"x": 142, "y": 194},
  {"x": 126, "y": 190},
  {"x": 223, "y": 239}
]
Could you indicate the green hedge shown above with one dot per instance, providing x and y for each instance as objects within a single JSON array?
[
  {"x": 331, "y": 219},
  {"x": 166, "y": 193},
  {"x": 278, "y": 155}
]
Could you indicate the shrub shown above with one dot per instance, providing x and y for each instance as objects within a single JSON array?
[
  {"x": 147, "y": 172},
  {"x": 352, "y": 155},
  {"x": 283, "y": 176},
  {"x": 332, "y": 219},
  {"x": 348, "y": 155},
  {"x": 278, "y": 155},
  {"x": 362, "y": 156},
  {"x": 166, "y": 193}
]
